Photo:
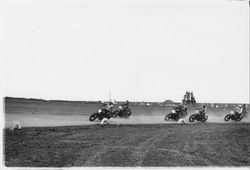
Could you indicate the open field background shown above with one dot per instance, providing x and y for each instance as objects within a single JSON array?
[
  {"x": 59, "y": 134},
  {"x": 59, "y": 113}
]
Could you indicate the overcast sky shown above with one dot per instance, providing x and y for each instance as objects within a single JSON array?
[{"x": 140, "y": 50}]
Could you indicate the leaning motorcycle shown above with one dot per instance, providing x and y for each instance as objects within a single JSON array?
[
  {"x": 100, "y": 114},
  {"x": 233, "y": 116},
  {"x": 175, "y": 116},
  {"x": 198, "y": 117},
  {"x": 122, "y": 112}
]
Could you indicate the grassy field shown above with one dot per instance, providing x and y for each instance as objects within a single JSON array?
[{"x": 155, "y": 145}]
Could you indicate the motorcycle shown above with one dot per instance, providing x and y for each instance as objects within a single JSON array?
[
  {"x": 176, "y": 116},
  {"x": 100, "y": 114},
  {"x": 122, "y": 112},
  {"x": 233, "y": 116},
  {"x": 198, "y": 117}
]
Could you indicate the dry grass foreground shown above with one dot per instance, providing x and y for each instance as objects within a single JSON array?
[{"x": 206, "y": 144}]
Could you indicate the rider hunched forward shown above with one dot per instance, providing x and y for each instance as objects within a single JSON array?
[
  {"x": 106, "y": 111},
  {"x": 236, "y": 114},
  {"x": 199, "y": 115},
  {"x": 177, "y": 113},
  {"x": 123, "y": 110}
]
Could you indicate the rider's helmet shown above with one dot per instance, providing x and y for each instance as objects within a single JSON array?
[
  {"x": 110, "y": 104},
  {"x": 240, "y": 106},
  {"x": 127, "y": 101}
]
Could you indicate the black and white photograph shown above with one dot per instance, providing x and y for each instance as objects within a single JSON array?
[{"x": 125, "y": 84}]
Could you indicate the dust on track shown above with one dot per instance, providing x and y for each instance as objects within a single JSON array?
[{"x": 32, "y": 120}]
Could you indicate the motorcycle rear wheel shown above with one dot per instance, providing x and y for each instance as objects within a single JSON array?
[
  {"x": 129, "y": 112},
  {"x": 240, "y": 118},
  {"x": 204, "y": 119}
]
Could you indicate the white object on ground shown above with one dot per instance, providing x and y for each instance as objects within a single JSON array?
[
  {"x": 104, "y": 121},
  {"x": 16, "y": 125},
  {"x": 181, "y": 121}
]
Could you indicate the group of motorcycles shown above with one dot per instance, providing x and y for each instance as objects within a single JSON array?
[
  {"x": 174, "y": 115},
  {"x": 198, "y": 116},
  {"x": 105, "y": 113}
]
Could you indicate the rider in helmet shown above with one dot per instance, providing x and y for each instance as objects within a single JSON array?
[
  {"x": 110, "y": 106},
  {"x": 107, "y": 107},
  {"x": 125, "y": 105},
  {"x": 238, "y": 110},
  {"x": 202, "y": 111},
  {"x": 244, "y": 111},
  {"x": 178, "y": 109}
]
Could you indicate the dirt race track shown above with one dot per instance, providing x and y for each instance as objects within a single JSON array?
[
  {"x": 209, "y": 144},
  {"x": 62, "y": 136}
]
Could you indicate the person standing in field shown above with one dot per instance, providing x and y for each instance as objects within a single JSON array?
[
  {"x": 244, "y": 111},
  {"x": 192, "y": 98}
]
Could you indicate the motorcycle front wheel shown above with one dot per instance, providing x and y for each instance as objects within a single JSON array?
[
  {"x": 191, "y": 118},
  {"x": 167, "y": 117},
  {"x": 227, "y": 118},
  {"x": 93, "y": 117},
  {"x": 240, "y": 118}
]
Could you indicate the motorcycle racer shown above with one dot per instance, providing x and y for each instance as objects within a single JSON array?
[
  {"x": 179, "y": 109},
  {"x": 237, "y": 111},
  {"x": 107, "y": 107},
  {"x": 202, "y": 111},
  {"x": 122, "y": 111},
  {"x": 124, "y": 106},
  {"x": 105, "y": 111}
]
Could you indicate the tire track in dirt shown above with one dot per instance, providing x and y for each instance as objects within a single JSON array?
[
  {"x": 144, "y": 148},
  {"x": 189, "y": 143},
  {"x": 140, "y": 150},
  {"x": 91, "y": 161},
  {"x": 169, "y": 146},
  {"x": 200, "y": 143}
]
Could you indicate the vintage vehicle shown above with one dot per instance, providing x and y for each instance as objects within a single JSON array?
[
  {"x": 176, "y": 115},
  {"x": 122, "y": 112},
  {"x": 100, "y": 114},
  {"x": 233, "y": 116},
  {"x": 198, "y": 116}
]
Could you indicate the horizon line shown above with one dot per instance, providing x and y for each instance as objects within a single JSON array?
[{"x": 114, "y": 100}]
